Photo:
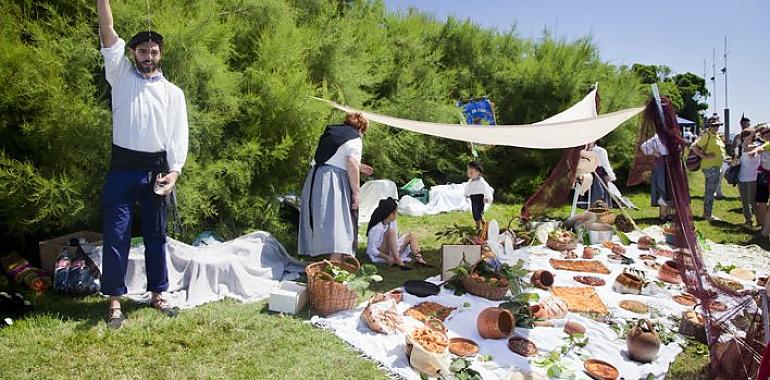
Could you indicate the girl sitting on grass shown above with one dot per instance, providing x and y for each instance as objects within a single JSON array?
[{"x": 384, "y": 244}]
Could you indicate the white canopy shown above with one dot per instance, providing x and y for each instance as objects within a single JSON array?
[{"x": 559, "y": 134}]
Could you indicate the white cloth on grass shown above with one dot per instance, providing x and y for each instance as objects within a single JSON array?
[
  {"x": 442, "y": 198},
  {"x": 148, "y": 114},
  {"x": 370, "y": 195},
  {"x": 377, "y": 236},
  {"x": 246, "y": 268},
  {"x": 603, "y": 342}
]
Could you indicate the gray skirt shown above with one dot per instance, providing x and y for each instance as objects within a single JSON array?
[{"x": 333, "y": 229}]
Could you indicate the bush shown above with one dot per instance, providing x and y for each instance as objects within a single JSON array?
[{"x": 247, "y": 67}]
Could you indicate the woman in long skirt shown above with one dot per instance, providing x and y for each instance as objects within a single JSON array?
[{"x": 331, "y": 191}]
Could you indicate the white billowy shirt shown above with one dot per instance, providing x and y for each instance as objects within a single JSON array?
[
  {"x": 479, "y": 186},
  {"x": 148, "y": 114},
  {"x": 604, "y": 161},
  {"x": 654, "y": 145}
]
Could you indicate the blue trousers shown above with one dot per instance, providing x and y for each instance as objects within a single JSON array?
[{"x": 121, "y": 190}]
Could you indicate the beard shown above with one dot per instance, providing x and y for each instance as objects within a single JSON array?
[{"x": 148, "y": 66}]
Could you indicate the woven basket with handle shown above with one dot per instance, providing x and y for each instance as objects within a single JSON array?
[
  {"x": 326, "y": 295},
  {"x": 482, "y": 289}
]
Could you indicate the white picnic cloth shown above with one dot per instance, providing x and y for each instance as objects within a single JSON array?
[{"x": 603, "y": 344}]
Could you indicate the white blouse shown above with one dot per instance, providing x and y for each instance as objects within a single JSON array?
[
  {"x": 479, "y": 186},
  {"x": 148, "y": 114}
]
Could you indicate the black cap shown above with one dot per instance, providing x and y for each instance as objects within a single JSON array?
[
  {"x": 144, "y": 37},
  {"x": 476, "y": 165}
]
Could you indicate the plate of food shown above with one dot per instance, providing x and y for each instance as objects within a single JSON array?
[
  {"x": 600, "y": 370},
  {"x": 427, "y": 310}
]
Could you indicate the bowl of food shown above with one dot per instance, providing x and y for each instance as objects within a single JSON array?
[
  {"x": 463, "y": 347},
  {"x": 600, "y": 370}
]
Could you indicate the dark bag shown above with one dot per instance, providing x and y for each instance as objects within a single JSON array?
[
  {"x": 692, "y": 162},
  {"x": 731, "y": 174}
]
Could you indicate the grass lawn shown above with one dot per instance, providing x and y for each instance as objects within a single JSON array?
[{"x": 67, "y": 338}]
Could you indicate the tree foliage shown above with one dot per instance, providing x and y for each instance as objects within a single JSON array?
[{"x": 247, "y": 68}]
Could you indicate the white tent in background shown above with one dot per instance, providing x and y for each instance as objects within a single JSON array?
[{"x": 370, "y": 194}]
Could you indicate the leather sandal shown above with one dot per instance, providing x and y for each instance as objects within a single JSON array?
[
  {"x": 161, "y": 304},
  {"x": 115, "y": 318}
]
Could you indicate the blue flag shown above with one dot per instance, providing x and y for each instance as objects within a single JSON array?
[{"x": 478, "y": 111}]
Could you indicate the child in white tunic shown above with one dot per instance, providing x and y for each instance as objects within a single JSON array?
[
  {"x": 478, "y": 191},
  {"x": 384, "y": 244}
]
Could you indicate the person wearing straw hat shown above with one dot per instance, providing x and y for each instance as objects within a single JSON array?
[
  {"x": 711, "y": 149},
  {"x": 149, "y": 148}
]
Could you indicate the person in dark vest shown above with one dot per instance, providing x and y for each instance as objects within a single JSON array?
[
  {"x": 149, "y": 148},
  {"x": 330, "y": 196}
]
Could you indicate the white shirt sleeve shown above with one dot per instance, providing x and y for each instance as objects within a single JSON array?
[
  {"x": 176, "y": 151},
  {"x": 488, "y": 191},
  {"x": 354, "y": 148},
  {"x": 604, "y": 161},
  {"x": 116, "y": 64}
]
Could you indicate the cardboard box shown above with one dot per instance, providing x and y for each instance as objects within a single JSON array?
[
  {"x": 50, "y": 249},
  {"x": 289, "y": 297},
  {"x": 452, "y": 255}
]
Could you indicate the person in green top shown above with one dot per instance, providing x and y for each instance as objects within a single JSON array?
[{"x": 711, "y": 149}]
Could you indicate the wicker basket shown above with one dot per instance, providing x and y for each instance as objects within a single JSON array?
[
  {"x": 603, "y": 215},
  {"x": 561, "y": 246},
  {"x": 326, "y": 295},
  {"x": 481, "y": 289}
]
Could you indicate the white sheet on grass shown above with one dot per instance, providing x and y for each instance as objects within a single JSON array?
[
  {"x": 371, "y": 194},
  {"x": 246, "y": 268},
  {"x": 442, "y": 198},
  {"x": 603, "y": 344},
  {"x": 552, "y": 135}
]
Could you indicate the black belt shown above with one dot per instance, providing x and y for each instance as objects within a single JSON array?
[{"x": 154, "y": 163}]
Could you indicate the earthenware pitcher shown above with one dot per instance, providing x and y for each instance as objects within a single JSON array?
[{"x": 643, "y": 342}]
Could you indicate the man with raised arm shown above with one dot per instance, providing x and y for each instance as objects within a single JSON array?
[{"x": 149, "y": 148}]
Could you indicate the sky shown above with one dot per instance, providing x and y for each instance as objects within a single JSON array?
[{"x": 677, "y": 33}]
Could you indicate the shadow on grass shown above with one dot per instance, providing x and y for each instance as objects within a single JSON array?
[{"x": 88, "y": 311}]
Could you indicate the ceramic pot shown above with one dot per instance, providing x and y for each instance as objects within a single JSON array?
[
  {"x": 588, "y": 253},
  {"x": 628, "y": 283},
  {"x": 543, "y": 279},
  {"x": 537, "y": 311},
  {"x": 574, "y": 327},
  {"x": 643, "y": 342},
  {"x": 669, "y": 272},
  {"x": 495, "y": 323}
]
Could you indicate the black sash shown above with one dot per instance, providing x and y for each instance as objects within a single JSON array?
[{"x": 333, "y": 138}]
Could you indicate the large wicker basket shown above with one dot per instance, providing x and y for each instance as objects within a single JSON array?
[
  {"x": 561, "y": 246},
  {"x": 482, "y": 289},
  {"x": 326, "y": 295},
  {"x": 603, "y": 215}
]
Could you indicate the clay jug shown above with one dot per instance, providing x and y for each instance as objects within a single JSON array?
[
  {"x": 543, "y": 279},
  {"x": 495, "y": 323},
  {"x": 643, "y": 342}
]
